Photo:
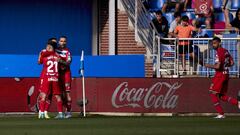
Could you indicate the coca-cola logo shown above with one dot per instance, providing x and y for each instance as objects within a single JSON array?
[{"x": 159, "y": 95}]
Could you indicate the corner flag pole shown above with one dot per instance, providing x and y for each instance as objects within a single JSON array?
[{"x": 83, "y": 82}]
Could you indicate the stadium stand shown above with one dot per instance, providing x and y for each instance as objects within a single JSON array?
[
  {"x": 217, "y": 4},
  {"x": 169, "y": 16},
  {"x": 167, "y": 52},
  {"x": 155, "y": 5}
]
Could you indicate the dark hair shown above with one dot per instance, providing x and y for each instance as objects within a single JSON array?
[
  {"x": 217, "y": 39},
  {"x": 177, "y": 14},
  {"x": 159, "y": 12},
  {"x": 53, "y": 44},
  {"x": 63, "y": 37},
  {"x": 198, "y": 24},
  {"x": 185, "y": 18},
  {"x": 52, "y": 38}
]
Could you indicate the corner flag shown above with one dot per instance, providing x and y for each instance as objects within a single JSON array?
[
  {"x": 83, "y": 82},
  {"x": 82, "y": 64}
]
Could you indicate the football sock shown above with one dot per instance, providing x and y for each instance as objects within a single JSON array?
[
  {"x": 230, "y": 100},
  {"x": 216, "y": 104},
  {"x": 69, "y": 106},
  {"x": 42, "y": 105},
  {"x": 59, "y": 106},
  {"x": 47, "y": 104}
]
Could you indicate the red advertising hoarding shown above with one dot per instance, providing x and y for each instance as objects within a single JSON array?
[{"x": 140, "y": 95}]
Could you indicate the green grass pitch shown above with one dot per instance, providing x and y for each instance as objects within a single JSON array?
[{"x": 99, "y": 125}]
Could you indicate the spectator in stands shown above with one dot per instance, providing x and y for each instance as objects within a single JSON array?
[
  {"x": 161, "y": 24},
  {"x": 174, "y": 24},
  {"x": 235, "y": 24},
  {"x": 204, "y": 13},
  {"x": 184, "y": 46},
  {"x": 226, "y": 6},
  {"x": 175, "y": 3}
]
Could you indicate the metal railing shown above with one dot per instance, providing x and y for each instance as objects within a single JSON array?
[
  {"x": 170, "y": 63},
  {"x": 141, "y": 19}
]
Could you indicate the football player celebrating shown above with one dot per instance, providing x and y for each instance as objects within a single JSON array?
[
  {"x": 42, "y": 54},
  {"x": 65, "y": 74},
  {"x": 50, "y": 79}
]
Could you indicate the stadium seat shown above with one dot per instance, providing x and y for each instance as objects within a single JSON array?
[
  {"x": 190, "y": 15},
  {"x": 219, "y": 25},
  {"x": 207, "y": 33},
  {"x": 217, "y": 4},
  {"x": 170, "y": 17},
  {"x": 235, "y": 4},
  {"x": 219, "y": 17},
  {"x": 155, "y": 5}
]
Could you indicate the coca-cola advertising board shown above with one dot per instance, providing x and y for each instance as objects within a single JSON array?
[{"x": 133, "y": 95}]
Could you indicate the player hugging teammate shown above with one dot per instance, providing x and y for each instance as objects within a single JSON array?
[{"x": 55, "y": 78}]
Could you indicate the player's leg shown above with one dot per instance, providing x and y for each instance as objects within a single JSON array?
[
  {"x": 238, "y": 98},
  {"x": 214, "y": 90},
  {"x": 42, "y": 105},
  {"x": 44, "y": 90},
  {"x": 68, "y": 105},
  {"x": 229, "y": 99},
  {"x": 47, "y": 104},
  {"x": 217, "y": 105},
  {"x": 68, "y": 80},
  {"x": 59, "y": 107},
  {"x": 226, "y": 98},
  {"x": 57, "y": 92}
]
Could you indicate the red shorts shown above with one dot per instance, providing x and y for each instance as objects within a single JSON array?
[
  {"x": 50, "y": 86},
  {"x": 65, "y": 80},
  {"x": 219, "y": 83}
]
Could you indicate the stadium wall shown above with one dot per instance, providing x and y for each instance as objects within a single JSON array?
[
  {"x": 120, "y": 95},
  {"x": 26, "y": 25}
]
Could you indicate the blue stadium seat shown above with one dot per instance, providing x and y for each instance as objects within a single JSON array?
[
  {"x": 217, "y": 4},
  {"x": 190, "y": 15},
  {"x": 235, "y": 4},
  {"x": 170, "y": 17},
  {"x": 155, "y": 5},
  {"x": 219, "y": 17},
  {"x": 207, "y": 33}
]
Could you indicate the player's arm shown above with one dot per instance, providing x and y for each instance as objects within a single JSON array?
[
  {"x": 231, "y": 61},
  {"x": 213, "y": 66},
  {"x": 68, "y": 60},
  {"x": 40, "y": 58}
]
